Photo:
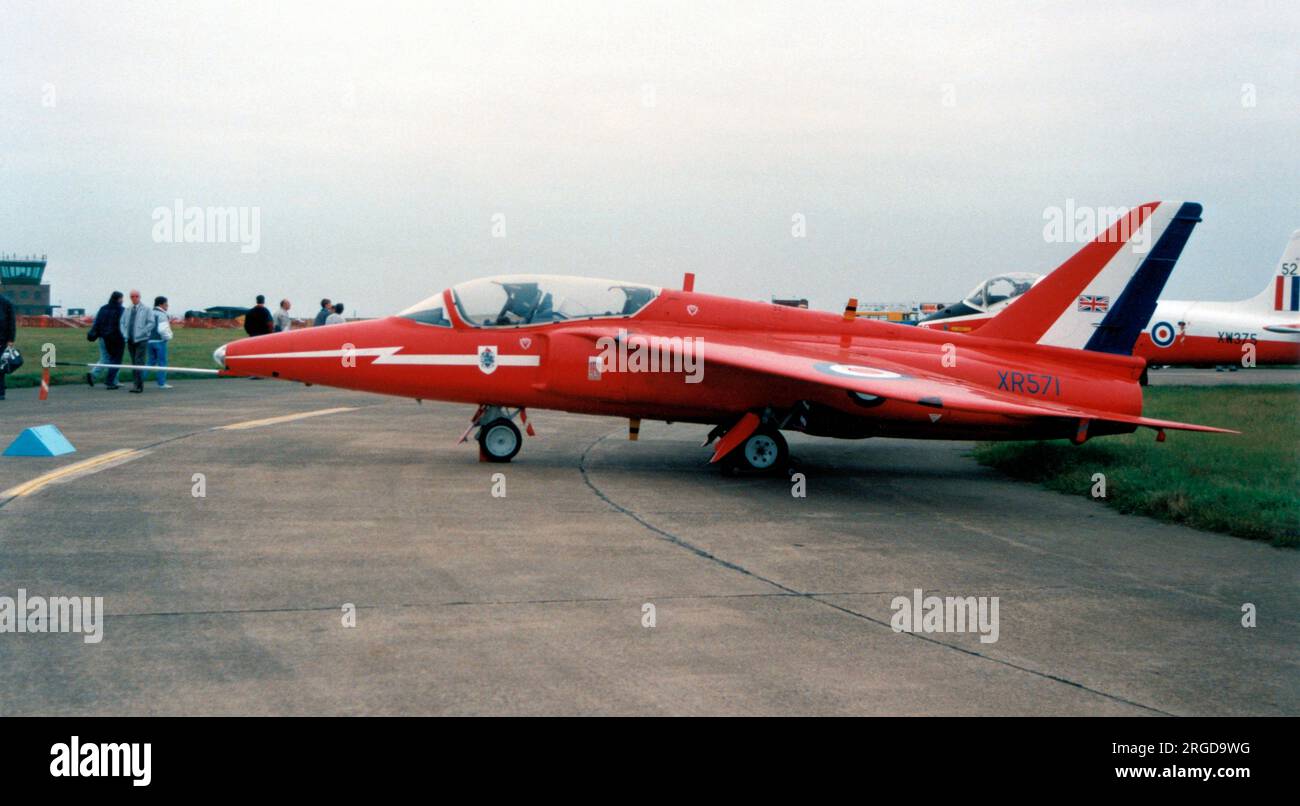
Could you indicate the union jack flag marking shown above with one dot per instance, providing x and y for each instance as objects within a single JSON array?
[{"x": 1089, "y": 302}]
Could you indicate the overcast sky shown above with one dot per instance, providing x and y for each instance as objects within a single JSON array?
[{"x": 921, "y": 143}]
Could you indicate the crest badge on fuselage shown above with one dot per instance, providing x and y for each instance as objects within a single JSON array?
[{"x": 487, "y": 359}]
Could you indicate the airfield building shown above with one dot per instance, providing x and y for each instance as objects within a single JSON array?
[{"x": 20, "y": 283}]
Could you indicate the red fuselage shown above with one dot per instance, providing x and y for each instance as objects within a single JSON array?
[{"x": 550, "y": 366}]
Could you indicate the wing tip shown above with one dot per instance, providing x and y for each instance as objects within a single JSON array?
[{"x": 1177, "y": 426}]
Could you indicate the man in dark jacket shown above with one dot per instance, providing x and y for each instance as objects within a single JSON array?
[
  {"x": 258, "y": 320},
  {"x": 325, "y": 310},
  {"x": 8, "y": 332},
  {"x": 107, "y": 329}
]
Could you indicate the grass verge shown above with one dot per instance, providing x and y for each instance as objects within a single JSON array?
[
  {"x": 1245, "y": 485},
  {"x": 192, "y": 347}
]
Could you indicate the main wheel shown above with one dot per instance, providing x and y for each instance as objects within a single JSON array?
[
  {"x": 764, "y": 451},
  {"x": 500, "y": 440}
]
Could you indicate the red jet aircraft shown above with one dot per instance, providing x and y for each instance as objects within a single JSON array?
[{"x": 753, "y": 369}]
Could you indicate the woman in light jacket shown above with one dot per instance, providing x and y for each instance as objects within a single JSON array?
[{"x": 158, "y": 338}]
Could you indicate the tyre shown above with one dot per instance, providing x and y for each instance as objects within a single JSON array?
[
  {"x": 764, "y": 451},
  {"x": 499, "y": 440}
]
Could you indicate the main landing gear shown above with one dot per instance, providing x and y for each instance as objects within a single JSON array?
[
  {"x": 752, "y": 445},
  {"x": 499, "y": 439},
  {"x": 764, "y": 451}
]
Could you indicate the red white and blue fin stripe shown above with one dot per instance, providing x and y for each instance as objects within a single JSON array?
[
  {"x": 1283, "y": 291},
  {"x": 1286, "y": 293},
  {"x": 1102, "y": 297}
]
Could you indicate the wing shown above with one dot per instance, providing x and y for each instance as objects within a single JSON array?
[{"x": 921, "y": 387}]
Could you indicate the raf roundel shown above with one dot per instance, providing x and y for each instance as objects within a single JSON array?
[
  {"x": 1162, "y": 334},
  {"x": 857, "y": 371}
]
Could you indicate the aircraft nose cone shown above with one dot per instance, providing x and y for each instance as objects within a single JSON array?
[{"x": 219, "y": 355}]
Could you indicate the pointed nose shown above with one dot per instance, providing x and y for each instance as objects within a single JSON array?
[{"x": 219, "y": 355}]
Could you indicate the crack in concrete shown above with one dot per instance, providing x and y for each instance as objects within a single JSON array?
[{"x": 814, "y": 597}]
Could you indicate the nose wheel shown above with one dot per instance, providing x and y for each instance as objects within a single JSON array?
[{"x": 499, "y": 440}]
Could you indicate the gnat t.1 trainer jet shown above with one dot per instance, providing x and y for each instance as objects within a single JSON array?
[
  {"x": 1265, "y": 327},
  {"x": 1044, "y": 369}
]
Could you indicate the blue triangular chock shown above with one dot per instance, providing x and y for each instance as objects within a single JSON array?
[{"x": 43, "y": 440}]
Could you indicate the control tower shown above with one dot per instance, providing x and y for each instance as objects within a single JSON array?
[{"x": 20, "y": 283}]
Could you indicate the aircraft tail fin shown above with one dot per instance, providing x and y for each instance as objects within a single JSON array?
[
  {"x": 1283, "y": 290},
  {"x": 1102, "y": 297}
]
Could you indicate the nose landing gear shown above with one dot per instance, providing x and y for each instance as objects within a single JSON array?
[{"x": 498, "y": 437}]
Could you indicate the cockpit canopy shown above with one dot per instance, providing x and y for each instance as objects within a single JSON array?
[
  {"x": 533, "y": 299},
  {"x": 1000, "y": 289}
]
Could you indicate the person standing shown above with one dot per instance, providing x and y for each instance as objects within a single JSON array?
[
  {"x": 258, "y": 322},
  {"x": 323, "y": 313},
  {"x": 137, "y": 324},
  {"x": 158, "y": 338},
  {"x": 336, "y": 317},
  {"x": 107, "y": 330},
  {"x": 283, "y": 321},
  {"x": 8, "y": 333}
]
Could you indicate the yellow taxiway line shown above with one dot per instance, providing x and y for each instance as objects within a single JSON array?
[
  {"x": 29, "y": 487},
  {"x": 123, "y": 454},
  {"x": 283, "y": 419}
]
